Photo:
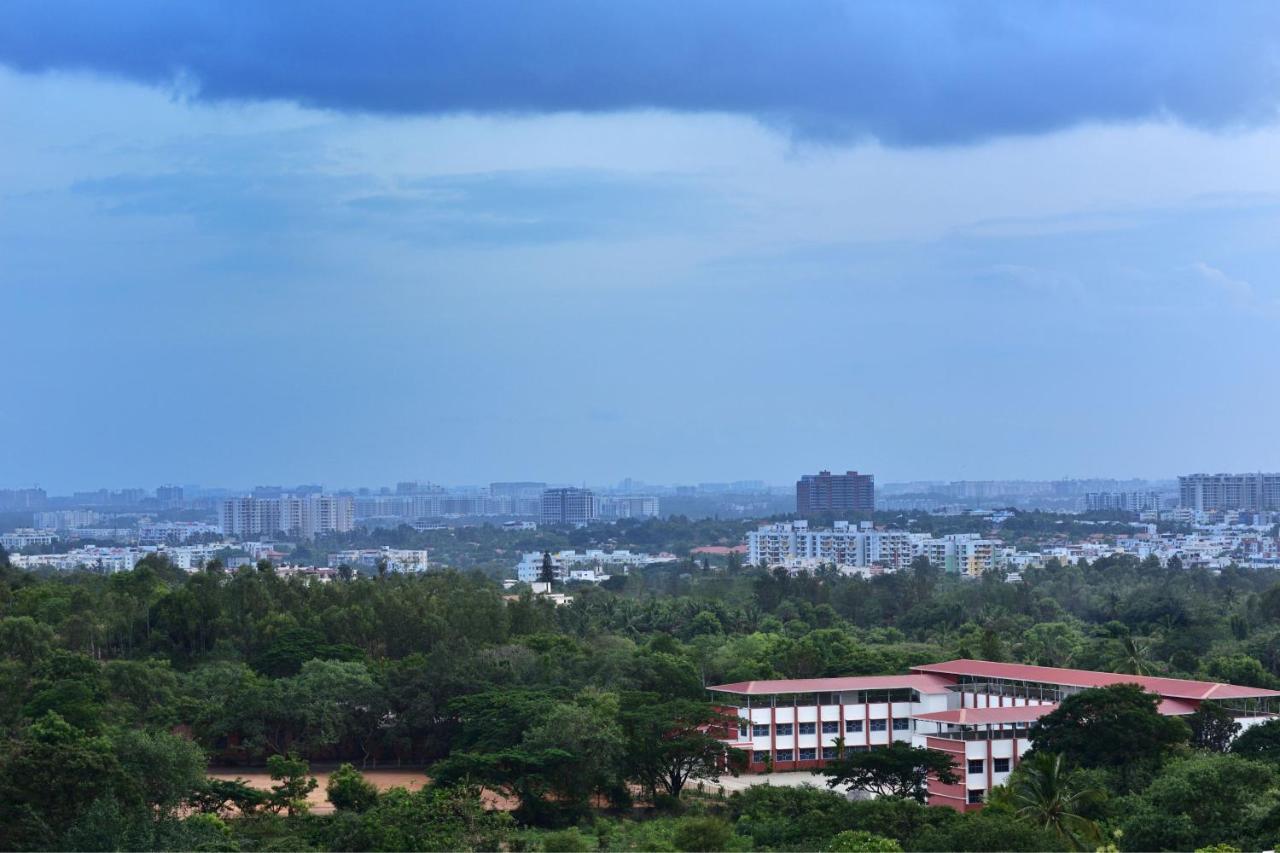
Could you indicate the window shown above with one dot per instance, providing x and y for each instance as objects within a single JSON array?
[
  {"x": 831, "y": 727},
  {"x": 785, "y": 755},
  {"x": 809, "y": 755},
  {"x": 853, "y": 726},
  {"x": 828, "y": 753},
  {"x": 784, "y": 729},
  {"x": 808, "y": 728},
  {"x": 1000, "y": 765},
  {"x": 760, "y": 730},
  {"x": 976, "y": 765},
  {"x": 901, "y": 724},
  {"x": 742, "y": 730},
  {"x": 975, "y": 796},
  {"x": 850, "y": 750},
  {"x": 760, "y": 756},
  {"x": 879, "y": 725}
]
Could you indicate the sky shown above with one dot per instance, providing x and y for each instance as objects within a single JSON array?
[{"x": 345, "y": 243}]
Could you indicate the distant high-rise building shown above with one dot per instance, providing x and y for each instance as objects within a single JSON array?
[
  {"x": 629, "y": 506},
  {"x": 1210, "y": 492},
  {"x": 23, "y": 498},
  {"x": 518, "y": 498},
  {"x": 306, "y": 516},
  {"x": 827, "y": 492},
  {"x": 569, "y": 506},
  {"x": 1124, "y": 501},
  {"x": 169, "y": 495}
]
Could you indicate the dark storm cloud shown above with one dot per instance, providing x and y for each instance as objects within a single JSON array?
[{"x": 907, "y": 73}]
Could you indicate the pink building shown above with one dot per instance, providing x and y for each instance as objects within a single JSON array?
[{"x": 980, "y": 712}]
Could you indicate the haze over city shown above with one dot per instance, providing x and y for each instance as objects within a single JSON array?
[{"x": 679, "y": 242}]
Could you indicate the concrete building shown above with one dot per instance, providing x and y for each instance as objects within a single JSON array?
[
  {"x": 25, "y": 537},
  {"x": 1218, "y": 492},
  {"x": 629, "y": 506},
  {"x": 569, "y": 506},
  {"x": 396, "y": 559},
  {"x": 592, "y": 565},
  {"x": 979, "y": 712},
  {"x": 1122, "y": 501},
  {"x": 66, "y": 519},
  {"x": 838, "y": 493},
  {"x": 794, "y": 545},
  {"x": 306, "y": 515}
]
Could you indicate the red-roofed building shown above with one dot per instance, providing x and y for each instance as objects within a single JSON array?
[{"x": 980, "y": 712}]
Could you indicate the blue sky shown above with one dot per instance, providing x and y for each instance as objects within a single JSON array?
[{"x": 246, "y": 243}]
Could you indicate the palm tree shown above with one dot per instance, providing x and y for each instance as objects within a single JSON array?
[
  {"x": 1042, "y": 792},
  {"x": 1133, "y": 657}
]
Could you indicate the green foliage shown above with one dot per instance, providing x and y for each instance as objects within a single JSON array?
[
  {"x": 433, "y": 818},
  {"x": 1261, "y": 741},
  {"x": 569, "y": 840},
  {"x": 861, "y": 841},
  {"x": 1116, "y": 727},
  {"x": 1213, "y": 727},
  {"x": 348, "y": 790},
  {"x": 294, "y": 782},
  {"x": 896, "y": 770},
  {"x": 576, "y": 707},
  {"x": 704, "y": 832},
  {"x": 1202, "y": 800},
  {"x": 1045, "y": 794}
]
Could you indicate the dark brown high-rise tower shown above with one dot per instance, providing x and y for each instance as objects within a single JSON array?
[{"x": 827, "y": 492}]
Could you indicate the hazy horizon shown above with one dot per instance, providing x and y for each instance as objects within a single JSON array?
[{"x": 681, "y": 242}]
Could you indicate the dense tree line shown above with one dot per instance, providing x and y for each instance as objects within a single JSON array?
[{"x": 121, "y": 688}]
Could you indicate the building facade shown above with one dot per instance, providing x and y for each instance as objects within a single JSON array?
[
  {"x": 1123, "y": 501},
  {"x": 569, "y": 506},
  {"x": 305, "y": 515},
  {"x": 827, "y": 492},
  {"x": 1219, "y": 492},
  {"x": 981, "y": 713}
]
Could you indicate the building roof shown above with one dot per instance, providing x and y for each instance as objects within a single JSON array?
[
  {"x": 923, "y": 682},
  {"x": 1171, "y": 688},
  {"x": 982, "y": 716}
]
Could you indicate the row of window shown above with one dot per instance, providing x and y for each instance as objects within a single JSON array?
[
  {"x": 849, "y": 697},
  {"x": 830, "y": 727},
  {"x": 998, "y": 765},
  {"x": 760, "y": 756}
]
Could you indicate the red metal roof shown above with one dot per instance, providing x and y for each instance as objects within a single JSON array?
[
  {"x": 982, "y": 716},
  {"x": 923, "y": 682},
  {"x": 1172, "y": 688}
]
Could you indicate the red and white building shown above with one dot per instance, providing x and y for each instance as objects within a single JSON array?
[{"x": 980, "y": 712}]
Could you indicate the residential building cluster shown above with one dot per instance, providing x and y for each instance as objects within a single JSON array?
[
  {"x": 1122, "y": 501},
  {"x": 590, "y": 566},
  {"x": 980, "y": 713},
  {"x": 119, "y": 558},
  {"x": 862, "y": 549}
]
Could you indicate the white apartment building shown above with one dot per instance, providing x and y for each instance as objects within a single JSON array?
[
  {"x": 66, "y": 519},
  {"x": 305, "y": 515},
  {"x": 584, "y": 565},
  {"x": 397, "y": 559},
  {"x": 156, "y": 532},
  {"x": 856, "y": 550},
  {"x": 795, "y": 545},
  {"x": 629, "y": 506},
  {"x": 25, "y": 537}
]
